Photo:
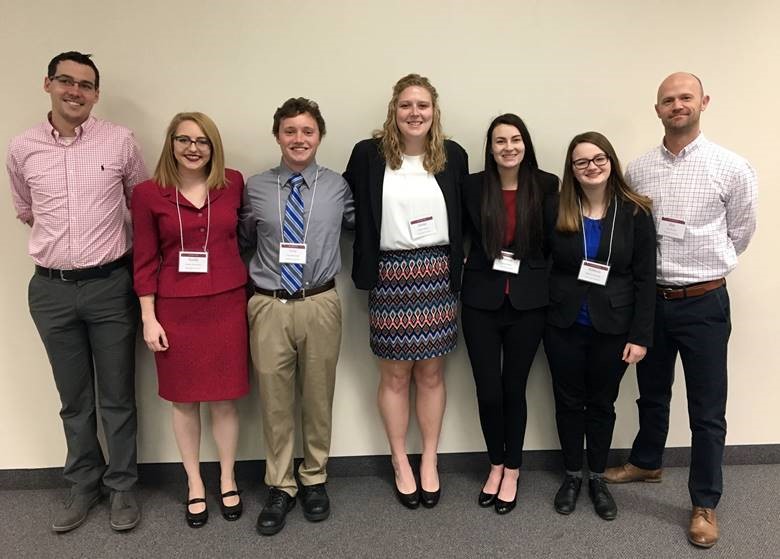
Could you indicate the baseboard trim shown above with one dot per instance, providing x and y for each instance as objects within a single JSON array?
[{"x": 250, "y": 472}]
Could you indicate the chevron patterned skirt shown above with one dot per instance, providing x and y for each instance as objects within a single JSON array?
[{"x": 412, "y": 313}]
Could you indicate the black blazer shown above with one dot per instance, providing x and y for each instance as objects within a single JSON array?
[
  {"x": 627, "y": 303},
  {"x": 483, "y": 287},
  {"x": 365, "y": 174}
]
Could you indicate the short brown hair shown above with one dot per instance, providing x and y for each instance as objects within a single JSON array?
[{"x": 295, "y": 106}]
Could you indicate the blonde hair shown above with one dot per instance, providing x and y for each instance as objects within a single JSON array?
[
  {"x": 167, "y": 171},
  {"x": 391, "y": 143},
  {"x": 571, "y": 191}
]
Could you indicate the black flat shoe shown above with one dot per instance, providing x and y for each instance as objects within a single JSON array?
[
  {"x": 602, "y": 499},
  {"x": 566, "y": 498},
  {"x": 504, "y": 507},
  {"x": 196, "y": 519},
  {"x": 409, "y": 500},
  {"x": 429, "y": 499},
  {"x": 232, "y": 512},
  {"x": 486, "y": 499}
]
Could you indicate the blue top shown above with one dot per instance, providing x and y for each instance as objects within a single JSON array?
[{"x": 592, "y": 240}]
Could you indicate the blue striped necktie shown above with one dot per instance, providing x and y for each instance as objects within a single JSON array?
[{"x": 292, "y": 274}]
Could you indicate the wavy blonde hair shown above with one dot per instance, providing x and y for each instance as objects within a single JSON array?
[
  {"x": 167, "y": 171},
  {"x": 390, "y": 140}
]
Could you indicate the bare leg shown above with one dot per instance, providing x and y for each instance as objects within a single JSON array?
[
  {"x": 508, "y": 490},
  {"x": 186, "y": 429},
  {"x": 393, "y": 400},
  {"x": 493, "y": 482},
  {"x": 431, "y": 399},
  {"x": 224, "y": 424}
]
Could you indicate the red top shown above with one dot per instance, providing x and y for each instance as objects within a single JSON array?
[
  {"x": 511, "y": 222},
  {"x": 157, "y": 241}
]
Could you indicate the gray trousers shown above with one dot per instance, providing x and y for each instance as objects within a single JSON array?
[{"x": 88, "y": 329}]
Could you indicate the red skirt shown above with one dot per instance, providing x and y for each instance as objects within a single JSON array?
[{"x": 207, "y": 355}]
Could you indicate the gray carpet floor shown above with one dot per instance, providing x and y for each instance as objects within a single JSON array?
[{"x": 366, "y": 521}]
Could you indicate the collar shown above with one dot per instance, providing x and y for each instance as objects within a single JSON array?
[
  {"x": 84, "y": 127},
  {"x": 309, "y": 173},
  {"x": 697, "y": 143}
]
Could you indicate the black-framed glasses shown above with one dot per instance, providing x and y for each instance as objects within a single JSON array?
[
  {"x": 185, "y": 142},
  {"x": 600, "y": 160},
  {"x": 67, "y": 81}
]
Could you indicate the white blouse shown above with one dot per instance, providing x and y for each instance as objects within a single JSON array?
[{"x": 411, "y": 194}]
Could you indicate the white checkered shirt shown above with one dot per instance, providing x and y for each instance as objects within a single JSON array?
[
  {"x": 76, "y": 194},
  {"x": 715, "y": 192}
]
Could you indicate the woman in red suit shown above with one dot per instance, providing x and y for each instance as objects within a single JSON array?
[{"x": 190, "y": 280}]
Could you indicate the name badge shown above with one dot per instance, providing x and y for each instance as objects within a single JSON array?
[
  {"x": 292, "y": 253},
  {"x": 193, "y": 262},
  {"x": 422, "y": 226},
  {"x": 593, "y": 272},
  {"x": 507, "y": 263},
  {"x": 671, "y": 227}
]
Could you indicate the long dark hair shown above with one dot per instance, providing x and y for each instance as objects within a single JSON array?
[
  {"x": 571, "y": 191},
  {"x": 528, "y": 207}
]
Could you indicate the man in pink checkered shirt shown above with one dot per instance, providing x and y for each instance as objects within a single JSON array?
[{"x": 71, "y": 179}]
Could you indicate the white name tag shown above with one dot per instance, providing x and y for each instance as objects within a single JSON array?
[
  {"x": 422, "y": 226},
  {"x": 292, "y": 253},
  {"x": 593, "y": 272},
  {"x": 194, "y": 262},
  {"x": 507, "y": 263},
  {"x": 671, "y": 227}
]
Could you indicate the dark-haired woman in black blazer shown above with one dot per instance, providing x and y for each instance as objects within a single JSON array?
[
  {"x": 505, "y": 293},
  {"x": 600, "y": 320}
]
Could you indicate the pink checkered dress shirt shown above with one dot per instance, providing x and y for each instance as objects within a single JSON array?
[{"x": 76, "y": 194}]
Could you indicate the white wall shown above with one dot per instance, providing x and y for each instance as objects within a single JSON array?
[{"x": 564, "y": 66}]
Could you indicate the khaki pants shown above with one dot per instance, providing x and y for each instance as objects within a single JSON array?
[{"x": 295, "y": 348}]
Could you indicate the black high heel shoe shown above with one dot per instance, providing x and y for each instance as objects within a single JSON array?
[
  {"x": 196, "y": 519},
  {"x": 429, "y": 499},
  {"x": 486, "y": 500},
  {"x": 232, "y": 512},
  {"x": 409, "y": 500}
]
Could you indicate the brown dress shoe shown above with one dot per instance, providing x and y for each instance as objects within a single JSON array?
[
  {"x": 628, "y": 473},
  {"x": 703, "y": 531}
]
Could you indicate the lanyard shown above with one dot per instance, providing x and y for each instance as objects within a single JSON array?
[
  {"x": 208, "y": 220},
  {"x": 611, "y": 233},
  {"x": 311, "y": 205}
]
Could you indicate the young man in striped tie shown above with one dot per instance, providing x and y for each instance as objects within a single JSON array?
[{"x": 293, "y": 216}]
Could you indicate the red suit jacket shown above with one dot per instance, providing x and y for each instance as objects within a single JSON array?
[{"x": 157, "y": 241}]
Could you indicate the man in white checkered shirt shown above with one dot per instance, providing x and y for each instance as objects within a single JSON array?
[
  {"x": 704, "y": 203},
  {"x": 71, "y": 178}
]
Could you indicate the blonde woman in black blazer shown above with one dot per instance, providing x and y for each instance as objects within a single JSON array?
[
  {"x": 408, "y": 253},
  {"x": 599, "y": 321},
  {"x": 504, "y": 308}
]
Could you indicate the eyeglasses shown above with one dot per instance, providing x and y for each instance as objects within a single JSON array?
[
  {"x": 67, "y": 81},
  {"x": 600, "y": 160},
  {"x": 185, "y": 142}
]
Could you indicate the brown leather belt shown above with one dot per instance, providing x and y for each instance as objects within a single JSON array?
[
  {"x": 694, "y": 290},
  {"x": 302, "y": 294},
  {"x": 102, "y": 271}
]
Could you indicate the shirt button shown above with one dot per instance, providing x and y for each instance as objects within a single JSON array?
[
  {"x": 200, "y": 214},
  {"x": 202, "y": 229}
]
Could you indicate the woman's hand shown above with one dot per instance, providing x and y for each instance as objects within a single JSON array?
[
  {"x": 633, "y": 353},
  {"x": 154, "y": 336}
]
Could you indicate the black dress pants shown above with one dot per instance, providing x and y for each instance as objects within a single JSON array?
[
  {"x": 586, "y": 368},
  {"x": 502, "y": 344},
  {"x": 698, "y": 328},
  {"x": 88, "y": 329}
]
